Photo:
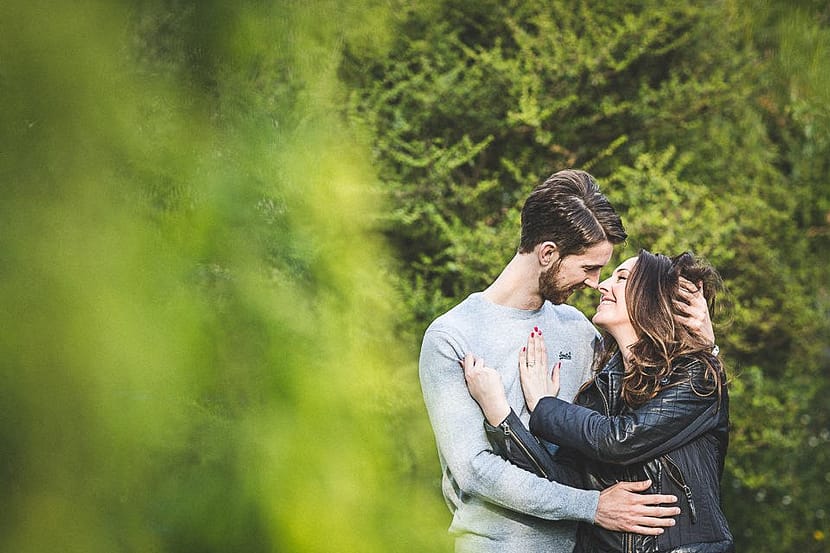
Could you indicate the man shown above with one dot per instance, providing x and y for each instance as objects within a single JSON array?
[{"x": 569, "y": 230}]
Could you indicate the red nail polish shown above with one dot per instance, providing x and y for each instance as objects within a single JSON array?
[
  {"x": 524, "y": 348},
  {"x": 531, "y": 335},
  {"x": 536, "y": 328}
]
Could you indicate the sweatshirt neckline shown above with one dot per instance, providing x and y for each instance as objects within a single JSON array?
[{"x": 504, "y": 310}]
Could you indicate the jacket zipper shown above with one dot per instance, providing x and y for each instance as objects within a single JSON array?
[
  {"x": 505, "y": 426},
  {"x": 628, "y": 538},
  {"x": 677, "y": 475}
]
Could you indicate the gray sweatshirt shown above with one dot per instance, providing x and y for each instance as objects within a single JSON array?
[{"x": 497, "y": 506}]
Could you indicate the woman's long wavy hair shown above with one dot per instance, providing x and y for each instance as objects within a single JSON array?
[{"x": 650, "y": 293}]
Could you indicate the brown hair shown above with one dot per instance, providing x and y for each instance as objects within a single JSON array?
[
  {"x": 650, "y": 293},
  {"x": 569, "y": 210}
]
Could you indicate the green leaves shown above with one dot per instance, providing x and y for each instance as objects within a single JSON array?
[
  {"x": 704, "y": 126},
  {"x": 197, "y": 310}
]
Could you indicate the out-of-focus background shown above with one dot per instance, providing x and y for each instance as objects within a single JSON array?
[{"x": 224, "y": 227}]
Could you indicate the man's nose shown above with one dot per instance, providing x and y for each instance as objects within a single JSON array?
[{"x": 591, "y": 282}]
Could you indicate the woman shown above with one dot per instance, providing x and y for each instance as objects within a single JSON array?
[{"x": 657, "y": 409}]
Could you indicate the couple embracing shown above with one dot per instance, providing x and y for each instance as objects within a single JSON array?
[{"x": 555, "y": 437}]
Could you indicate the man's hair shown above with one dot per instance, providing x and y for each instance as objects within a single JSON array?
[{"x": 569, "y": 210}]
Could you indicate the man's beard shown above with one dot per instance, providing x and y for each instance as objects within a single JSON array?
[{"x": 550, "y": 289}]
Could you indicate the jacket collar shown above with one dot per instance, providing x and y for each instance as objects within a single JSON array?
[
  {"x": 615, "y": 365},
  {"x": 609, "y": 383}
]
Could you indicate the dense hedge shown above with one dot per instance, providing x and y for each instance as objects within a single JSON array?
[{"x": 706, "y": 124}]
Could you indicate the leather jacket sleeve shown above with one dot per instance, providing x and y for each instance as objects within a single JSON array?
[
  {"x": 513, "y": 441},
  {"x": 675, "y": 416}
]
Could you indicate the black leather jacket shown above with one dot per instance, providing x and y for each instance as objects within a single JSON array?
[{"x": 678, "y": 440}]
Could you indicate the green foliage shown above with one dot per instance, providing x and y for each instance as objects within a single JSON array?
[
  {"x": 707, "y": 126},
  {"x": 205, "y": 346},
  {"x": 196, "y": 346}
]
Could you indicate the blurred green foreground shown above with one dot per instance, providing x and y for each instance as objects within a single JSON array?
[
  {"x": 195, "y": 324},
  {"x": 207, "y": 348}
]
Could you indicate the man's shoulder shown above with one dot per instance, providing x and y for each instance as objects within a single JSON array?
[{"x": 456, "y": 317}]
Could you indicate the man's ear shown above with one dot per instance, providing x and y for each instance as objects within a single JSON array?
[{"x": 548, "y": 253}]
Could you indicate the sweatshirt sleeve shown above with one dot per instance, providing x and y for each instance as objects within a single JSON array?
[
  {"x": 458, "y": 424},
  {"x": 676, "y": 416}
]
